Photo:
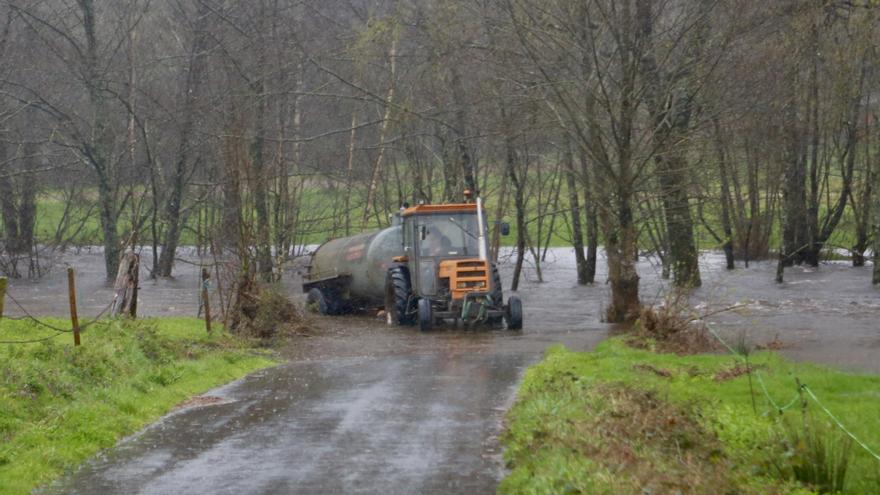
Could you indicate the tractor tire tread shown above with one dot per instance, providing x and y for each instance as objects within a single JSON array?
[{"x": 398, "y": 277}]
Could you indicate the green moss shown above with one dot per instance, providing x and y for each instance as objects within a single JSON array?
[
  {"x": 60, "y": 405},
  {"x": 569, "y": 390}
]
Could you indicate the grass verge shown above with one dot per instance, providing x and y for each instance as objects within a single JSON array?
[
  {"x": 625, "y": 420},
  {"x": 59, "y": 405}
]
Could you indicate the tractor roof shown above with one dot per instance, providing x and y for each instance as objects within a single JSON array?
[{"x": 447, "y": 208}]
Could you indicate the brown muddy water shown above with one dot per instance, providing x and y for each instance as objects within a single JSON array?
[{"x": 361, "y": 407}]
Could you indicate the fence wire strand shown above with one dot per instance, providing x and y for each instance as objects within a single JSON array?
[
  {"x": 767, "y": 395},
  {"x": 33, "y": 318},
  {"x": 780, "y": 409},
  {"x": 58, "y": 330},
  {"x": 31, "y": 341},
  {"x": 837, "y": 422}
]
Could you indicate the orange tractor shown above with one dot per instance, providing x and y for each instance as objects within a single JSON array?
[{"x": 430, "y": 265}]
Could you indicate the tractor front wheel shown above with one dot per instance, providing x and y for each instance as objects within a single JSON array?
[
  {"x": 514, "y": 313},
  {"x": 426, "y": 315}
]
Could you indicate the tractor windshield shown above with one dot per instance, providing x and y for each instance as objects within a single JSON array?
[{"x": 448, "y": 235}]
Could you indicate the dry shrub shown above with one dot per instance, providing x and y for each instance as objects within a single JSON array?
[
  {"x": 735, "y": 371},
  {"x": 661, "y": 372},
  {"x": 673, "y": 327},
  {"x": 655, "y": 446},
  {"x": 263, "y": 312},
  {"x": 773, "y": 345}
]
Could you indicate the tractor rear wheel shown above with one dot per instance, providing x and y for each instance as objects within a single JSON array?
[
  {"x": 399, "y": 306},
  {"x": 320, "y": 301},
  {"x": 426, "y": 315},
  {"x": 514, "y": 313}
]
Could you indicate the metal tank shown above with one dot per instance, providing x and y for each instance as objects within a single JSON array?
[{"x": 356, "y": 266}]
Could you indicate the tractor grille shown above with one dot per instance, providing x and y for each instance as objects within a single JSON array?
[{"x": 465, "y": 276}]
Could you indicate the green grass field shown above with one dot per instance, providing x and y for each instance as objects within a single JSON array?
[
  {"x": 61, "y": 404},
  {"x": 620, "y": 420}
]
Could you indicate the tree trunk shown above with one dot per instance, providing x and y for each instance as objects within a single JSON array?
[
  {"x": 173, "y": 209},
  {"x": 795, "y": 237},
  {"x": 231, "y": 234},
  {"x": 97, "y": 149},
  {"x": 465, "y": 161},
  {"x": 576, "y": 229},
  {"x": 821, "y": 231},
  {"x": 8, "y": 208},
  {"x": 619, "y": 225},
  {"x": 876, "y": 278},
  {"x": 723, "y": 173},
  {"x": 349, "y": 174},
  {"x": 620, "y": 247},
  {"x": 519, "y": 205},
  {"x": 154, "y": 217},
  {"x": 876, "y": 228},
  {"x": 592, "y": 217},
  {"x": 671, "y": 125},
  {"x": 862, "y": 207},
  {"x": 383, "y": 135},
  {"x": 27, "y": 206},
  {"x": 679, "y": 223},
  {"x": 259, "y": 180},
  {"x": 500, "y": 208}
]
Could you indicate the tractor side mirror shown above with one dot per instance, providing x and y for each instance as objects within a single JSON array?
[
  {"x": 505, "y": 228},
  {"x": 423, "y": 232}
]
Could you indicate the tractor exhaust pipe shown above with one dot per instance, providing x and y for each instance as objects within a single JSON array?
[{"x": 481, "y": 226}]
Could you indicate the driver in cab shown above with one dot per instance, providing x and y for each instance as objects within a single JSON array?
[{"x": 436, "y": 245}]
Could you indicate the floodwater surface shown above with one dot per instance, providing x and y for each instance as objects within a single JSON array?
[{"x": 361, "y": 407}]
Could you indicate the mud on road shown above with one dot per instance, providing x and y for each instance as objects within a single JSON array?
[{"x": 364, "y": 408}]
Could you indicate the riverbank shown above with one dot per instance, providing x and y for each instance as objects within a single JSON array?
[
  {"x": 60, "y": 404},
  {"x": 625, "y": 420}
]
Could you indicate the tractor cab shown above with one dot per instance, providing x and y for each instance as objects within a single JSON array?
[{"x": 443, "y": 245}]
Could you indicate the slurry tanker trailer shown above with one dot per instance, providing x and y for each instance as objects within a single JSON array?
[{"x": 430, "y": 265}]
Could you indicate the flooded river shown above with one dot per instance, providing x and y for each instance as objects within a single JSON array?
[{"x": 829, "y": 314}]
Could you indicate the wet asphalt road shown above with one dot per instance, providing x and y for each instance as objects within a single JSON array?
[
  {"x": 365, "y": 408},
  {"x": 397, "y": 424}
]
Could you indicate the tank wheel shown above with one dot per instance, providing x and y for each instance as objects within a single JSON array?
[
  {"x": 426, "y": 315},
  {"x": 398, "y": 297},
  {"x": 318, "y": 301},
  {"x": 514, "y": 313},
  {"x": 496, "y": 295}
]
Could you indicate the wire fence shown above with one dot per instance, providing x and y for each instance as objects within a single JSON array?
[
  {"x": 801, "y": 389},
  {"x": 125, "y": 297},
  {"x": 28, "y": 316}
]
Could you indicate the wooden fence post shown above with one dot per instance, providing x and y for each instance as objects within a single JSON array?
[
  {"x": 2, "y": 295},
  {"x": 71, "y": 292},
  {"x": 206, "y": 276}
]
